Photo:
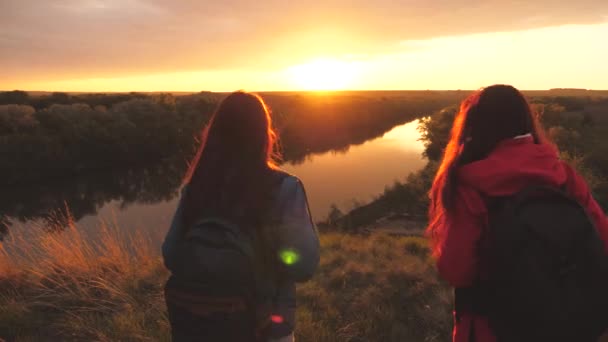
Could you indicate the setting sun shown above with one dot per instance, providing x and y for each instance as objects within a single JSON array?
[{"x": 323, "y": 74}]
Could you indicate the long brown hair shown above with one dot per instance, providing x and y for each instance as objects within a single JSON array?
[
  {"x": 486, "y": 118},
  {"x": 233, "y": 167}
]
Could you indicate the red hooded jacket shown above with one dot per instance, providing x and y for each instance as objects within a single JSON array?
[{"x": 512, "y": 166}]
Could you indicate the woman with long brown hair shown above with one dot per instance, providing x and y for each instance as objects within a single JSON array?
[
  {"x": 497, "y": 149},
  {"x": 242, "y": 234}
]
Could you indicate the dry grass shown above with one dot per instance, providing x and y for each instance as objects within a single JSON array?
[
  {"x": 376, "y": 288},
  {"x": 70, "y": 286}
]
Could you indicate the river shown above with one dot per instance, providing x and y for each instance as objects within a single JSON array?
[{"x": 342, "y": 178}]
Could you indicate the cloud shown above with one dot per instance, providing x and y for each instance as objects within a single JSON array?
[{"x": 97, "y": 38}]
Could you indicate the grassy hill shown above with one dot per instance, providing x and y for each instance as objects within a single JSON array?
[{"x": 71, "y": 287}]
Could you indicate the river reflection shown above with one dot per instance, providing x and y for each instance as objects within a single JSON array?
[
  {"x": 146, "y": 197},
  {"x": 360, "y": 173}
]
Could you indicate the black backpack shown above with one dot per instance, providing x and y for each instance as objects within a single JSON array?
[
  {"x": 222, "y": 289},
  {"x": 544, "y": 271}
]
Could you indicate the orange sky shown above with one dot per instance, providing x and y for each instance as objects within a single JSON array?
[{"x": 193, "y": 45}]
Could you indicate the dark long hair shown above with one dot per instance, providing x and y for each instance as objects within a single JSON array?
[
  {"x": 231, "y": 172},
  {"x": 486, "y": 118}
]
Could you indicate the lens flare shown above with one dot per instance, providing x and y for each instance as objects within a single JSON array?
[{"x": 289, "y": 256}]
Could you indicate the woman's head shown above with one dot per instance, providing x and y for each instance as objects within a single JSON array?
[
  {"x": 490, "y": 116},
  {"x": 239, "y": 133},
  {"x": 237, "y": 147},
  {"x": 486, "y": 118}
]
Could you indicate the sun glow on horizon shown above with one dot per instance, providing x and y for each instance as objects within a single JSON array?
[
  {"x": 323, "y": 74},
  {"x": 567, "y": 56}
]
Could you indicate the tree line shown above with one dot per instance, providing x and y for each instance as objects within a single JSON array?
[{"x": 59, "y": 135}]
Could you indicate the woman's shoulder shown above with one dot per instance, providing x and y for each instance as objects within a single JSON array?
[
  {"x": 470, "y": 199},
  {"x": 290, "y": 188},
  {"x": 285, "y": 177}
]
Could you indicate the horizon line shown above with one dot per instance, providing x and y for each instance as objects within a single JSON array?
[{"x": 286, "y": 91}]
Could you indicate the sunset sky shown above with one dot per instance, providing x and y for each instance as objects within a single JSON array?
[{"x": 194, "y": 45}]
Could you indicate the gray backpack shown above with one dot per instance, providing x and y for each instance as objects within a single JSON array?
[{"x": 223, "y": 288}]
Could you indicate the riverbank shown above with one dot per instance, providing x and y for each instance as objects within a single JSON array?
[
  {"x": 401, "y": 208},
  {"x": 70, "y": 288}
]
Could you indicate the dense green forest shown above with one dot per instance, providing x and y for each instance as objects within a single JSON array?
[
  {"x": 60, "y": 135},
  {"x": 577, "y": 125}
]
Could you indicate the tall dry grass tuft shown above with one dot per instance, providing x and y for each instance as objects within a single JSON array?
[{"x": 69, "y": 284}]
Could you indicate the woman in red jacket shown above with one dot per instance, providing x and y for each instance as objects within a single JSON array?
[{"x": 497, "y": 148}]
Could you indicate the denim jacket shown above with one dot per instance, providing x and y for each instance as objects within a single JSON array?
[{"x": 298, "y": 253}]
